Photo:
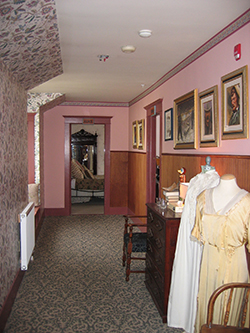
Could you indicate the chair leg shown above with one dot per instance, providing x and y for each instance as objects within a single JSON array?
[
  {"x": 124, "y": 255},
  {"x": 124, "y": 247},
  {"x": 130, "y": 245}
]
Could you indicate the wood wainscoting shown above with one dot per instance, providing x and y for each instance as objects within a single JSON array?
[
  {"x": 118, "y": 182},
  {"x": 224, "y": 164},
  {"x": 137, "y": 183}
]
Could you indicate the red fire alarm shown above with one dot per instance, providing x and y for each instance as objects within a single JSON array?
[{"x": 237, "y": 52}]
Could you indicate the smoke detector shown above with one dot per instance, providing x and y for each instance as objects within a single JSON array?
[{"x": 103, "y": 57}]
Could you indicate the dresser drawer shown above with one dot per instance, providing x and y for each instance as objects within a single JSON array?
[
  {"x": 156, "y": 254},
  {"x": 155, "y": 273},
  {"x": 155, "y": 223},
  {"x": 155, "y": 291}
]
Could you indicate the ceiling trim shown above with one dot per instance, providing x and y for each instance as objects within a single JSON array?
[
  {"x": 102, "y": 104},
  {"x": 223, "y": 34}
]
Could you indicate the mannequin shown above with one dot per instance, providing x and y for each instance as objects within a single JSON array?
[
  {"x": 225, "y": 191},
  {"x": 222, "y": 225}
]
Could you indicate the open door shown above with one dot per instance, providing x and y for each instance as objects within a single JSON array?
[{"x": 154, "y": 135}]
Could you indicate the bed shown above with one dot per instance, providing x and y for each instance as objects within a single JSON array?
[{"x": 85, "y": 185}]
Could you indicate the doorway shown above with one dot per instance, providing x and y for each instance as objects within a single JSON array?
[
  {"x": 68, "y": 121},
  {"x": 87, "y": 148},
  {"x": 154, "y": 135}
]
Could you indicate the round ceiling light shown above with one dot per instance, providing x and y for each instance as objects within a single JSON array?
[
  {"x": 145, "y": 33},
  {"x": 128, "y": 49}
]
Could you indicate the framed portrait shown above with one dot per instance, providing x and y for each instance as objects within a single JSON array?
[
  {"x": 209, "y": 117},
  {"x": 234, "y": 105},
  {"x": 140, "y": 134},
  {"x": 168, "y": 124},
  {"x": 186, "y": 121},
  {"x": 134, "y": 133}
]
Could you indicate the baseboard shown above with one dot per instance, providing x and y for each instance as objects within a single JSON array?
[
  {"x": 118, "y": 210},
  {"x": 55, "y": 212},
  {"x": 10, "y": 299}
]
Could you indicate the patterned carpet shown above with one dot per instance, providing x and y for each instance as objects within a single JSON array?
[{"x": 76, "y": 282}]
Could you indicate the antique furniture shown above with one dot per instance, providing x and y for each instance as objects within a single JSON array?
[
  {"x": 134, "y": 241},
  {"x": 84, "y": 149},
  {"x": 209, "y": 327},
  {"x": 162, "y": 230},
  {"x": 84, "y": 184}
]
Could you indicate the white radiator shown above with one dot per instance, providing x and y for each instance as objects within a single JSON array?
[{"x": 27, "y": 234}]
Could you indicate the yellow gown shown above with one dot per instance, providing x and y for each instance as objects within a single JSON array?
[{"x": 223, "y": 235}]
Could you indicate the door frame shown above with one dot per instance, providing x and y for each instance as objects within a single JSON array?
[
  {"x": 153, "y": 109},
  {"x": 95, "y": 120}
]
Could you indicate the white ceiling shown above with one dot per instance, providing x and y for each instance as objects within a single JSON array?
[{"x": 94, "y": 27}]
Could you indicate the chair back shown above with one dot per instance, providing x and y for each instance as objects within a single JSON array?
[{"x": 243, "y": 307}]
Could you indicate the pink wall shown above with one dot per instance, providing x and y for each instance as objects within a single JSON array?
[
  {"x": 54, "y": 144},
  {"x": 202, "y": 74}
]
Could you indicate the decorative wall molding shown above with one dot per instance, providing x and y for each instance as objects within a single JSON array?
[{"x": 101, "y": 104}]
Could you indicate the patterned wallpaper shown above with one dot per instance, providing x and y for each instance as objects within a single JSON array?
[
  {"x": 29, "y": 40},
  {"x": 13, "y": 175}
]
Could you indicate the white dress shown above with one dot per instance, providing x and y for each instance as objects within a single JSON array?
[{"x": 182, "y": 303}]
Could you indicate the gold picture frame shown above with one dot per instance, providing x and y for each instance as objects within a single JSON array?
[
  {"x": 134, "y": 133},
  {"x": 186, "y": 121},
  {"x": 209, "y": 118},
  {"x": 140, "y": 134},
  {"x": 234, "y": 89}
]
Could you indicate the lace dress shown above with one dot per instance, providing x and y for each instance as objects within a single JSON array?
[{"x": 223, "y": 235}]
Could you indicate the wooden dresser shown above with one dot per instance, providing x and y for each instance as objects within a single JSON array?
[{"x": 163, "y": 225}]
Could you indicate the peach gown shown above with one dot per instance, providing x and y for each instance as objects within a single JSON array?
[{"x": 224, "y": 235}]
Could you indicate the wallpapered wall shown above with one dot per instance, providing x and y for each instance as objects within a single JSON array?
[{"x": 13, "y": 175}]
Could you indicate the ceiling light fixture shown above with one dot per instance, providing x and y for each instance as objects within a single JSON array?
[
  {"x": 145, "y": 33},
  {"x": 128, "y": 49}
]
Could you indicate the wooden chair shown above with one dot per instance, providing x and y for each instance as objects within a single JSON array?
[
  {"x": 209, "y": 327},
  {"x": 133, "y": 241}
]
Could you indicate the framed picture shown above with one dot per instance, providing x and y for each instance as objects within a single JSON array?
[
  {"x": 134, "y": 134},
  {"x": 140, "y": 134},
  {"x": 209, "y": 117},
  {"x": 234, "y": 105},
  {"x": 168, "y": 124},
  {"x": 186, "y": 121}
]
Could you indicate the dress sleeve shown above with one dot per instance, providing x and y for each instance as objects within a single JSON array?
[{"x": 197, "y": 229}]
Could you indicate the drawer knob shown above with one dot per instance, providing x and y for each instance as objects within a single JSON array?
[
  {"x": 158, "y": 243},
  {"x": 150, "y": 232},
  {"x": 151, "y": 218}
]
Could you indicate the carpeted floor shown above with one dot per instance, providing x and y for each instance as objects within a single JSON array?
[
  {"x": 94, "y": 206},
  {"x": 76, "y": 282}
]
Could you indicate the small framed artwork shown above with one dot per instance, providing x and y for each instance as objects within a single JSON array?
[
  {"x": 186, "y": 121},
  {"x": 140, "y": 134},
  {"x": 168, "y": 124},
  {"x": 209, "y": 117},
  {"x": 235, "y": 105},
  {"x": 134, "y": 134}
]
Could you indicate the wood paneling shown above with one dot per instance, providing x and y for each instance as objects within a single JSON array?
[
  {"x": 119, "y": 179},
  {"x": 232, "y": 164},
  {"x": 137, "y": 183}
]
